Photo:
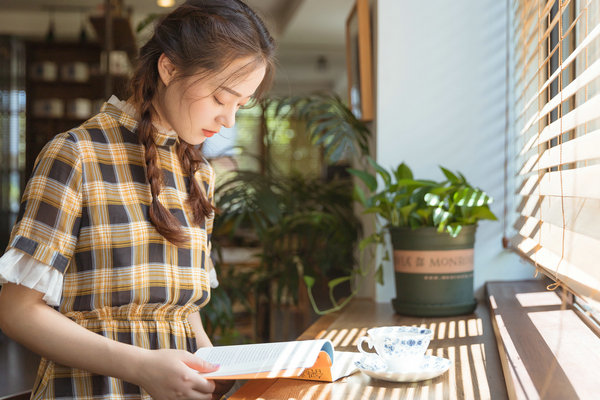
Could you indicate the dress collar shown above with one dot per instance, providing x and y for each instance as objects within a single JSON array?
[{"x": 126, "y": 114}]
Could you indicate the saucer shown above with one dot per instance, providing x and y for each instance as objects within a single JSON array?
[{"x": 429, "y": 367}]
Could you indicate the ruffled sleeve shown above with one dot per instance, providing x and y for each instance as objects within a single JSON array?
[
  {"x": 22, "y": 269},
  {"x": 47, "y": 227},
  {"x": 212, "y": 274}
]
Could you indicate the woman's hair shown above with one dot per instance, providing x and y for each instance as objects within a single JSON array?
[{"x": 200, "y": 38}]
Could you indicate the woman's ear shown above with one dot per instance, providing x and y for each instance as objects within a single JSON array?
[{"x": 166, "y": 69}]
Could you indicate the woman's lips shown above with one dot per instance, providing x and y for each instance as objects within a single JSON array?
[{"x": 208, "y": 133}]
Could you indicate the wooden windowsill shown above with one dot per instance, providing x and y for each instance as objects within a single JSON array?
[{"x": 547, "y": 351}]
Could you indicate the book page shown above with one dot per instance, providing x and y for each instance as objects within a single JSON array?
[
  {"x": 343, "y": 364},
  {"x": 270, "y": 358}
]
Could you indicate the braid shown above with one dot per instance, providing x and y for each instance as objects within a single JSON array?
[
  {"x": 162, "y": 219},
  {"x": 191, "y": 159}
]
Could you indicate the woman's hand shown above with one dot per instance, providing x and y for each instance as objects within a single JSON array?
[{"x": 173, "y": 374}]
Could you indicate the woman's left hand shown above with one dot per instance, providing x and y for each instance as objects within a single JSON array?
[{"x": 222, "y": 387}]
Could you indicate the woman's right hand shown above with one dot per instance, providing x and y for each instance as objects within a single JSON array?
[{"x": 173, "y": 374}]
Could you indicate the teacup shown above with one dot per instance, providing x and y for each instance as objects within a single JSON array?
[{"x": 401, "y": 347}]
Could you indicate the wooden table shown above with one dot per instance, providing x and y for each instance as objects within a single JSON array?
[{"x": 467, "y": 340}]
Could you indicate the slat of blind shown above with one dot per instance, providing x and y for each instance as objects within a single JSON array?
[
  {"x": 585, "y": 112},
  {"x": 527, "y": 74},
  {"x": 531, "y": 85},
  {"x": 528, "y": 140},
  {"x": 583, "y": 148},
  {"x": 583, "y": 79},
  {"x": 580, "y": 182},
  {"x": 579, "y": 250},
  {"x": 580, "y": 215},
  {"x": 576, "y": 279},
  {"x": 529, "y": 165},
  {"x": 589, "y": 38}
]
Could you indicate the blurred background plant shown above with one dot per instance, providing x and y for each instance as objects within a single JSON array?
[{"x": 304, "y": 225}]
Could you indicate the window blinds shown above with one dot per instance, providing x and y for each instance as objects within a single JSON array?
[{"x": 556, "y": 55}]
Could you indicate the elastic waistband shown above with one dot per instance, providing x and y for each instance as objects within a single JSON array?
[{"x": 136, "y": 312}]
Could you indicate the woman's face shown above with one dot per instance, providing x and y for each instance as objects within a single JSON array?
[{"x": 197, "y": 109}]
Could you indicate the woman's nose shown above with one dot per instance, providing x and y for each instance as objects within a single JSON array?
[{"x": 227, "y": 118}]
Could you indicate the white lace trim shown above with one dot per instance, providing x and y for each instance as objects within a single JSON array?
[
  {"x": 22, "y": 269},
  {"x": 214, "y": 282}
]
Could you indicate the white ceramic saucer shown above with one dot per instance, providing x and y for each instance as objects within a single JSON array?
[{"x": 429, "y": 367}]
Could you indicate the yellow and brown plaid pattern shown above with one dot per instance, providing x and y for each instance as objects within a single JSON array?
[{"x": 85, "y": 213}]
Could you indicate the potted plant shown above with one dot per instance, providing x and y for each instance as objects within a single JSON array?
[{"x": 432, "y": 227}]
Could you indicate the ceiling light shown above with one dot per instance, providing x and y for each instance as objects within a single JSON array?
[{"x": 165, "y": 3}]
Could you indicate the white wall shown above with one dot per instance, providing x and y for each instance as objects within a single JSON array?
[{"x": 440, "y": 73}]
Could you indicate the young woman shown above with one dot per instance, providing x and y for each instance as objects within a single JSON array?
[{"x": 115, "y": 223}]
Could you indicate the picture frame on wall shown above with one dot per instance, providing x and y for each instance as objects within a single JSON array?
[{"x": 358, "y": 61}]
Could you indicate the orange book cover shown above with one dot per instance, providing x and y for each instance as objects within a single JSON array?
[{"x": 306, "y": 359}]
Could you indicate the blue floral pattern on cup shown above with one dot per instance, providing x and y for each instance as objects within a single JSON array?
[{"x": 399, "y": 346}]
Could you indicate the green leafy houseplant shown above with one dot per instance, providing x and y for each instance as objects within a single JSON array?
[
  {"x": 432, "y": 226},
  {"x": 305, "y": 226},
  {"x": 404, "y": 201}
]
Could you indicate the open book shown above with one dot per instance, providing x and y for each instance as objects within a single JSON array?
[{"x": 304, "y": 359}]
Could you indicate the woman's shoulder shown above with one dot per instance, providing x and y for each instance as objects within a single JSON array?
[
  {"x": 100, "y": 133},
  {"x": 99, "y": 130},
  {"x": 102, "y": 128}
]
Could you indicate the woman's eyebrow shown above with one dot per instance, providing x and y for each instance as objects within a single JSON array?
[{"x": 233, "y": 92}]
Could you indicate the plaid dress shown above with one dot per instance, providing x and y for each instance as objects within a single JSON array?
[{"x": 85, "y": 213}]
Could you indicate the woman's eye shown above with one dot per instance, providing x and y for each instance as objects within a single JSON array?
[{"x": 217, "y": 101}]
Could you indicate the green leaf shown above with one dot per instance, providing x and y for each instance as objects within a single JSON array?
[
  {"x": 309, "y": 281},
  {"x": 454, "y": 229},
  {"x": 335, "y": 154},
  {"x": 440, "y": 216},
  {"x": 369, "y": 180},
  {"x": 386, "y": 256},
  {"x": 483, "y": 213},
  {"x": 376, "y": 210},
  {"x": 334, "y": 282},
  {"x": 379, "y": 274},
  {"x": 471, "y": 197},
  {"x": 432, "y": 199},
  {"x": 403, "y": 172},
  {"x": 359, "y": 195},
  {"x": 387, "y": 178},
  {"x": 373, "y": 238},
  {"x": 449, "y": 175},
  {"x": 321, "y": 132},
  {"x": 425, "y": 215},
  {"x": 406, "y": 210}
]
